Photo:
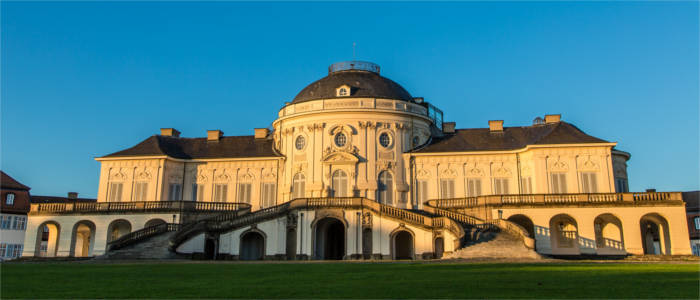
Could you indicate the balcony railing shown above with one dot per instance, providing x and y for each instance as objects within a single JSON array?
[
  {"x": 555, "y": 199},
  {"x": 141, "y": 206}
]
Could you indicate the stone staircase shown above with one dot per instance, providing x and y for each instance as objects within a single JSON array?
[
  {"x": 154, "y": 247},
  {"x": 493, "y": 244}
]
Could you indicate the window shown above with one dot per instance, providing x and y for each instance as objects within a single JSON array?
[
  {"x": 343, "y": 91},
  {"x": 18, "y": 251},
  {"x": 416, "y": 140},
  {"x": 621, "y": 185},
  {"x": 6, "y": 222},
  {"x": 300, "y": 142},
  {"x": 473, "y": 187},
  {"x": 244, "y": 190},
  {"x": 697, "y": 223},
  {"x": 10, "y": 250},
  {"x": 500, "y": 186},
  {"x": 268, "y": 194},
  {"x": 115, "y": 192},
  {"x": 22, "y": 223},
  {"x": 384, "y": 140},
  {"x": 385, "y": 188},
  {"x": 3, "y": 248},
  {"x": 197, "y": 192},
  {"x": 10, "y": 199},
  {"x": 340, "y": 139},
  {"x": 220, "y": 191},
  {"x": 298, "y": 186},
  {"x": 175, "y": 191},
  {"x": 141, "y": 191},
  {"x": 526, "y": 185},
  {"x": 14, "y": 222},
  {"x": 558, "y": 182},
  {"x": 447, "y": 188},
  {"x": 339, "y": 184},
  {"x": 589, "y": 184},
  {"x": 421, "y": 191}
]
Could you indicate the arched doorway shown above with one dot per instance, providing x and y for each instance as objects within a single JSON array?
[
  {"x": 117, "y": 229},
  {"x": 402, "y": 244},
  {"x": 439, "y": 247},
  {"x": 252, "y": 246},
  {"x": 339, "y": 184},
  {"x": 291, "y": 243},
  {"x": 563, "y": 231},
  {"x": 83, "y": 240},
  {"x": 47, "y": 238},
  {"x": 367, "y": 243},
  {"x": 329, "y": 239},
  {"x": 608, "y": 234},
  {"x": 525, "y": 223},
  {"x": 655, "y": 234},
  {"x": 154, "y": 222},
  {"x": 210, "y": 244}
]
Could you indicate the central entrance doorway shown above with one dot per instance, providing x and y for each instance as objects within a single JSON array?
[{"x": 330, "y": 239}]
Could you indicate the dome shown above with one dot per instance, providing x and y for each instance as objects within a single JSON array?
[{"x": 363, "y": 79}]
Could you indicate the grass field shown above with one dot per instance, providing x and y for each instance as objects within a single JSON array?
[{"x": 349, "y": 280}]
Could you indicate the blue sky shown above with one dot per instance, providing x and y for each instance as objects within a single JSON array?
[{"x": 81, "y": 80}]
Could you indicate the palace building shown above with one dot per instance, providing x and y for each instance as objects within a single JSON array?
[{"x": 355, "y": 167}]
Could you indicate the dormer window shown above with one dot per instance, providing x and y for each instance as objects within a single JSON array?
[{"x": 342, "y": 91}]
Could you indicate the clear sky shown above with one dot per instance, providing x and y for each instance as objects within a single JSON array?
[{"x": 81, "y": 80}]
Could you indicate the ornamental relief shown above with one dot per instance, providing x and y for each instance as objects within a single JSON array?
[
  {"x": 118, "y": 175},
  {"x": 588, "y": 164},
  {"x": 222, "y": 177},
  {"x": 142, "y": 175},
  {"x": 557, "y": 165},
  {"x": 423, "y": 174},
  {"x": 475, "y": 172},
  {"x": 448, "y": 173},
  {"x": 384, "y": 165}
]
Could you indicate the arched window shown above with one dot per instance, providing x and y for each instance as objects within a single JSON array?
[
  {"x": 298, "y": 186},
  {"x": 10, "y": 199},
  {"x": 385, "y": 188},
  {"x": 339, "y": 184},
  {"x": 340, "y": 139},
  {"x": 342, "y": 92}
]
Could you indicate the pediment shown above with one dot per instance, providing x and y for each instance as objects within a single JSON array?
[{"x": 340, "y": 157}]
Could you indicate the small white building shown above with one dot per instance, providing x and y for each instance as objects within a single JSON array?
[{"x": 13, "y": 218}]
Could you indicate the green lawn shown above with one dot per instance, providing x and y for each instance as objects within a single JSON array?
[{"x": 349, "y": 280}]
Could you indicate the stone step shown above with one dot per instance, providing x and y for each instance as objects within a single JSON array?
[
  {"x": 494, "y": 245},
  {"x": 155, "y": 247}
]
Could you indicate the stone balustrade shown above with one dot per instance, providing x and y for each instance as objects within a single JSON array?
[
  {"x": 558, "y": 199},
  {"x": 141, "y": 206}
]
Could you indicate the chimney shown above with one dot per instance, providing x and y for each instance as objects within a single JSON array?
[
  {"x": 548, "y": 119},
  {"x": 72, "y": 195},
  {"x": 448, "y": 127},
  {"x": 214, "y": 135},
  {"x": 169, "y": 132},
  {"x": 495, "y": 125},
  {"x": 261, "y": 133}
]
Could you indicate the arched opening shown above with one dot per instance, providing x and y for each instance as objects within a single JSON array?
[
  {"x": 525, "y": 223},
  {"x": 385, "y": 188},
  {"x": 154, "y": 222},
  {"x": 252, "y": 246},
  {"x": 83, "y": 240},
  {"x": 47, "y": 238},
  {"x": 367, "y": 243},
  {"x": 210, "y": 248},
  {"x": 402, "y": 243},
  {"x": 608, "y": 234},
  {"x": 330, "y": 239},
  {"x": 564, "y": 234},
  {"x": 291, "y": 243},
  {"x": 655, "y": 234},
  {"x": 339, "y": 184},
  {"x": 117, "y": 229},
  {"x": 439, "y": 247}
]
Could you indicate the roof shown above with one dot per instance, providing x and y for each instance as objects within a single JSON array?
[
  {"x": 191, "y": 148},
  {"x": 363, "y": 84},
  {"x": 7, "y": 182},
  {"x": 511, "y": 138},
  {"x": 692, "y": 201},
  {"x": 55, "y": 199}
]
